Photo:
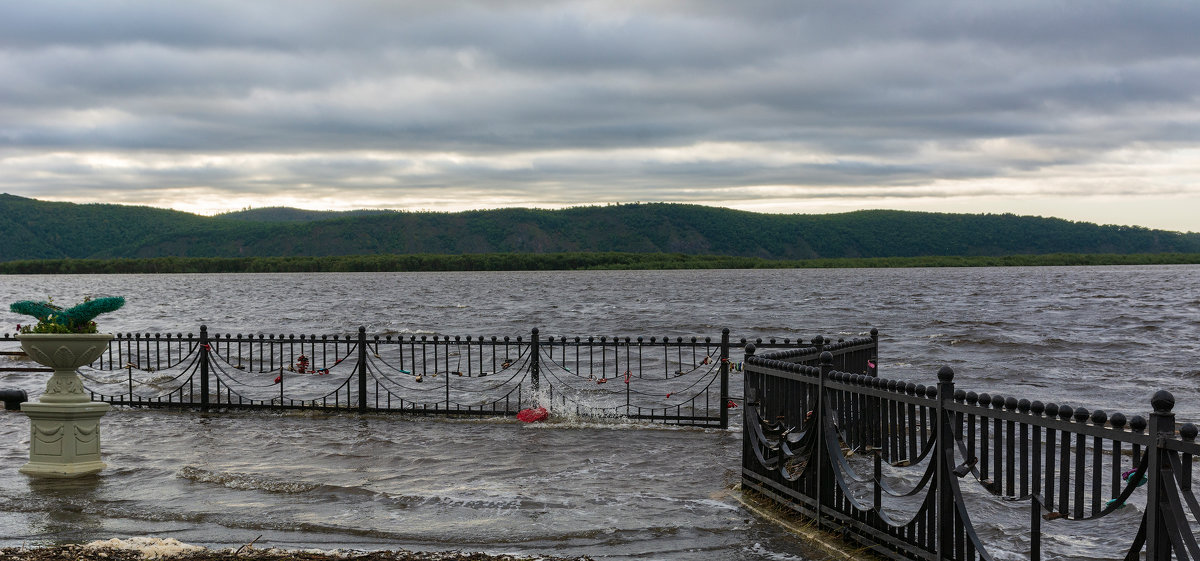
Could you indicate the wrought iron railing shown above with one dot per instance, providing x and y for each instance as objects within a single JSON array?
[
  {"x": 666, "y": 380},
  {"x": 888, "y": 463}
]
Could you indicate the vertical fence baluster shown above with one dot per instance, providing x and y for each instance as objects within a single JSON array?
[
  {"x": 1117, "y": 422},
  {"x": 997, "y": 478},
  {"x": 1097, "y": 471},
  {"x": 534, "y": 365},
  {"x": 1080, "y": 465},
  {"x": 910, "y": 433},
  {"x": 1023, "y": 407},
  {"x": 893, "y": 423},
  {"x": 1035, "y": 529},
  {"x": 1064, "y": 470},
  {"x": 723, "y": 404},
  {"x": 972, "y": 399},
  {"x": 1051, "y": 411},
  {"x": 204, "y": 351},
  {"x": 629, "y": 370},
  {"x": 1010, "y": 470},
  {"x": 362, "y": 370},
  {"x": 985, "y": 444}
]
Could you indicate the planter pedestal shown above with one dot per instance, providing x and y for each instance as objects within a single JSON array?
[
  {"x": 64, "y": 438},
  {"x": 64, "y": 433}
]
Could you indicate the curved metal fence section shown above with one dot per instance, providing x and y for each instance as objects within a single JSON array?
[
  {"x": 683, "y": 381},
  {"x": 910, "y": 470}
]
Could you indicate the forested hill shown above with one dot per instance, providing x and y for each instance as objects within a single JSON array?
[{"x": 31, "y": 229}]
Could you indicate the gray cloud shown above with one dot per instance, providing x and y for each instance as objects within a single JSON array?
[{"x": 551, "y": 103}]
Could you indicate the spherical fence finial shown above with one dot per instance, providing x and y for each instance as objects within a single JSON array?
[
  {"x": 750, "y": 349},
  {"x": 1188, "y": 431},
  {"x": 946, "y": 374},
  {"x": 827, "y": 358},
  {"x": 1162, "y": 401}
]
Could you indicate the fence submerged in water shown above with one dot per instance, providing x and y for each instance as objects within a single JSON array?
[
  {"x": 900, "y": 467},
  {"x": 682, "y": 381}
]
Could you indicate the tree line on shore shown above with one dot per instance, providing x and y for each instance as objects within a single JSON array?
[
  {"x": 34, "y": 230},
  {"x": 551, "y": 262}
]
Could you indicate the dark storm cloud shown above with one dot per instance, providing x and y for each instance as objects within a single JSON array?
[{"x": 530, "y": 98}]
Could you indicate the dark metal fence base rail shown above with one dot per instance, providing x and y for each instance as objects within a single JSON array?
[{"x": 829, "y": 439}]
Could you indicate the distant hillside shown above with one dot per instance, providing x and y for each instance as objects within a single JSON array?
[{"x": 32, "y": 229}]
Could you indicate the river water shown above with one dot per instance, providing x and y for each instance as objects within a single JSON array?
[{"x": 1098, "y": 337}]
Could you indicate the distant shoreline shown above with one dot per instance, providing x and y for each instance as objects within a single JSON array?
[{"x": 557, "y": 262}]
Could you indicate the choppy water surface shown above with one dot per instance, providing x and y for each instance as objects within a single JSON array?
[{"x": 1099, "y": 337}]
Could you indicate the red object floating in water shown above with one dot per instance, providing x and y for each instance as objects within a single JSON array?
[
  {"x": 730, "y": 404},
  {"x": 279, "y": 379},
  {"x": 533, "y": 415}
]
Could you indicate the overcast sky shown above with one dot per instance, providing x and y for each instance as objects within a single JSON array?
[{"x": 1085, "y": 110}]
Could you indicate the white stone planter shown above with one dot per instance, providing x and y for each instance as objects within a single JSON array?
[
  {"x": 64, "y": 436},
  {"x": 64, "y": 352}
]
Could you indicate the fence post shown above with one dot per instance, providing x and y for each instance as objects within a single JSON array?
[
  {"x": 1162, "y": 426},
  {"x": 824, "y": 472},
  {"x": 534, "y": 367},
  {"x": 724, "y": 405},
  {"x": 944, "y": 448},
  {"x": 362, "y": 369},
  {"x": 204, "y": 350}
]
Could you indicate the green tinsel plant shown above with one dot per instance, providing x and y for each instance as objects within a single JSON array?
[{"x": 52, "y": 318}]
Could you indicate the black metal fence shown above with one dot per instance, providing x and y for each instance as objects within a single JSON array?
[
  {"x": 887, "y": 463},
  {"x": 664, "y": 380}
]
